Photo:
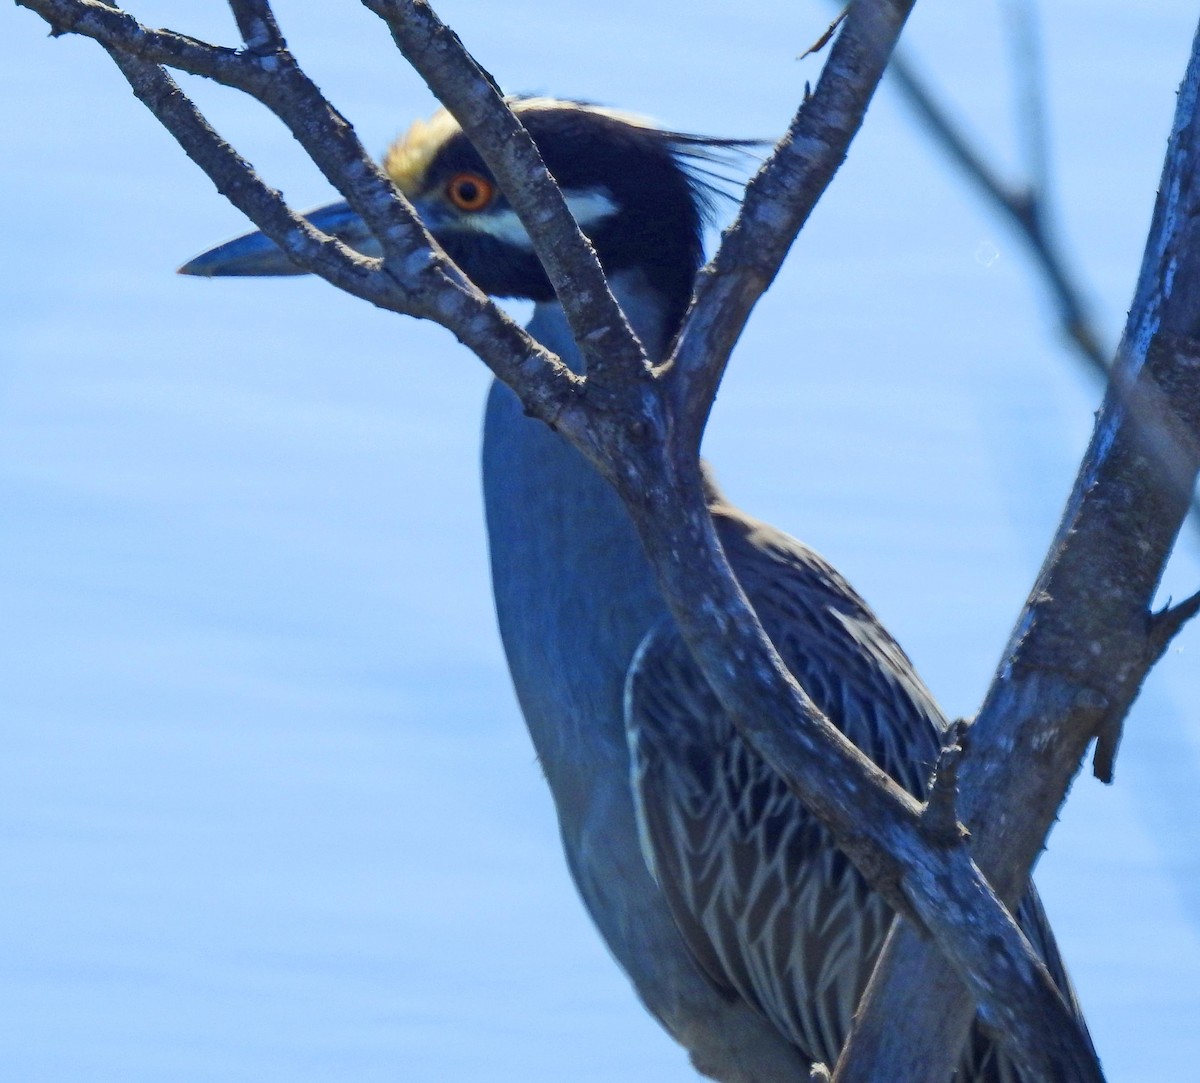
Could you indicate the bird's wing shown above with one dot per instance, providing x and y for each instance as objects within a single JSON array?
[
  {"x": 770, "y": 907},
  {"x": 767, "y": 903}
]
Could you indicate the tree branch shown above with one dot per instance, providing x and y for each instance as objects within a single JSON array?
[
  {"x": 1027, "y": 209},
  {"x": 235, "y": 179},
  {"x": 870, "y": 35},
  {"x": 878, "y": 826},
  {"x": 414, "y": 278},
  {"x": 941, "y": 805},
  {"x": 658, "y": 476},
  {"x": 1166, "y": 624},
  {"x": 777, "y": 203},
  {"x": 1085, "y": 640},
  {"x": 1023, "y": 206},
  {"x": 604, "y": 336},
  {"x": 256, "y": 23}
]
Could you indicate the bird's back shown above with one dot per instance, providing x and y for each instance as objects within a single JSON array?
[{"x": 771, "y": 908}]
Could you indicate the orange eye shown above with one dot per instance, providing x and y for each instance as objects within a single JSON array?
[{"x": 470, "y": 191}]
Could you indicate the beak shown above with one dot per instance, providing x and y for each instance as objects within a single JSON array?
[{"x": 256, "y": 255}]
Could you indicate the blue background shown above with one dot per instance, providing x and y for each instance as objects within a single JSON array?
[{"x": 267, "y": 809}]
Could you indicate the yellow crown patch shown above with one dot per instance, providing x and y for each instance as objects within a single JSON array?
[{"x": 408, "y": 159}]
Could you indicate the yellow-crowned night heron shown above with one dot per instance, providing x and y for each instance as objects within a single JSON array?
[{"x": 746, "y": 932}]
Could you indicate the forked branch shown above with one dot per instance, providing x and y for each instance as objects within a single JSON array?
[
  {"x": 649, "y": 449},
  {"x": 1087, "y": 638}
]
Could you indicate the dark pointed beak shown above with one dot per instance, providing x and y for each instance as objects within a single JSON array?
[{"x": 256, "y": 255}]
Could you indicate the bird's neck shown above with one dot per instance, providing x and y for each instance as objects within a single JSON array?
[
  {"x": 574, "y": 594},
  {"x": 649, "y": 314}
]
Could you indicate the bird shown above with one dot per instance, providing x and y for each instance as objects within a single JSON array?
[{"x": 743, "y": 928}]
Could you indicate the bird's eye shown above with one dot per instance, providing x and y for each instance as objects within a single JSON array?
[{"x": 470, "y": 191}]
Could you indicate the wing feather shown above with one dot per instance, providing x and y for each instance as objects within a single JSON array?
[{"x": 772, "y": 910}]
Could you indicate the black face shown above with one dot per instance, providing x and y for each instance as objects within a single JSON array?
[
  {"x": 648, "y": 207},
  {"x": 495, "y": 266}
]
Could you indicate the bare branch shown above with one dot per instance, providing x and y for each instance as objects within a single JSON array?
[
  {"x": 875, "y": 823},
  {"x": 940, "y": 817},
  {"x": 415, "y": 277},
  {"x": 235, "y": 179},
  {"x": 874, "y": 857},
  {"x": 1025, "y": 47},
  {"x": 778, "y": 202},
  {"x": 472, "y": 96},
  {"x": 275, "y": 80},
  {"x": 1023, "y": 206},
  {"x": 113, "y": 27},
  {"x": 1168, "y": 623},
  {"x": 864, "y": 35},
  {"x": 658, "y": 476},
  {"x": 1026, "y": 207},
  {"x": 257, "y": 25},
  {"x": 1084, "y": 642}
]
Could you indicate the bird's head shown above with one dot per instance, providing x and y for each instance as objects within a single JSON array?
[{"x": 638, "y": 192}]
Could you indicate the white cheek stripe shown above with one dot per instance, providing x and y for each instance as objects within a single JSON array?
[{"x": 589, "y": 207}]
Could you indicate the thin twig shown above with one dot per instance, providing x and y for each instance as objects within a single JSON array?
[
  {"x": 825, "y": 38},
  {"x": 1025, "y": 47},
  {"x": 236, "y": 179},
  {"x": 1023, "y": 206},
  {"x": 415, "y": 277},
  {"x": 940, "y": 817},
  {"x": 273, "y": 79},
  {"x": 1166, "y": 624},
  {"x": 1079, "y": 653},
  {"x": 876, "y": 823}
]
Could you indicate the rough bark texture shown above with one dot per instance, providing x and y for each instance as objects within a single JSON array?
[
  {"x": 1086, "y": 638},
  {"x": 642, "y": 428}
]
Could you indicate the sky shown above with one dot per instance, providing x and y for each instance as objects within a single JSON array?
[{"x": 267, "y": 808}]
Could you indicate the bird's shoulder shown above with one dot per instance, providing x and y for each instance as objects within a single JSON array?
[{"x": 832, "y": 642}]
